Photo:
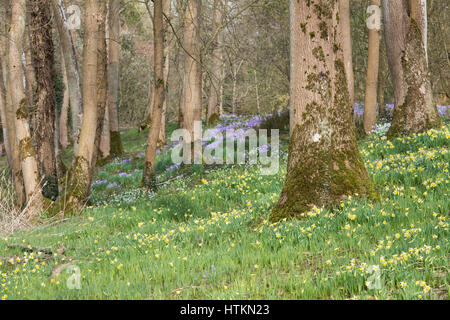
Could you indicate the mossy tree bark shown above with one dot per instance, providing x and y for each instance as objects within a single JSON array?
[
  {"x": 116, "y": 147},
  {"x": 72, "y": 70},
  {"x": 324, "y": 163},
  {"x": 78, "y": 188},
  {"x": 212, "y": 116},
  {"x": 16, "y": 90},
  {"x": 370, "y": 101},
  {"x": 148, "y": 179},
  {"x": 42, "y": 53},
  {"x": 418, "y": 112}
]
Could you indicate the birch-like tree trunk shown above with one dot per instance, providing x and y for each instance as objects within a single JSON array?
[
  {"x": 370, "y": 101},
  {"x": 16, "y": 91},
  {"x": 148, "y": 179},
  {"x": 324, "y": 165},
  {"x": 116, "y": 147},
  {"x": 42, "y": 53}
]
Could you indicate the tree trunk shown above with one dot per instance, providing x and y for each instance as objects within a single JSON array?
[
  {"x": 19, "y": 106},
  {"x": 71, "y": 65},
  {"x": 417, "y": 112},
  {"x": 81, "y": 174},
  {"x": 192, "y": 91},
  {"x": 116, "y": 147},
  {"x": 102, "y": 60},
  {"x": 212, "y": 116},
  {"x": 370, "y": 101},
  {"x": 63, "y": 117},
  {"x": 148, "y": 178},
  {"x": 344, "y": 7},
  {"x": 30, "y": 76},
  {"x": 42, "y": 53},
  {"x": 10, "y": 132},
  {"x": 324, "y": 165}
]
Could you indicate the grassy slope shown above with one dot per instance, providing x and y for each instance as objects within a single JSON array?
[{"x": 205, "y": 235}]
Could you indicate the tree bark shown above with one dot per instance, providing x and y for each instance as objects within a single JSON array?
[
  {"x": 27, "y": 153},
  {"x": 370, "y": 101},
  {"x": 71, "y": 65},
  {"x": 81, "y": 174},
  {"x": 344, "y": 7},
  {"x": 102, "y": 60},
  {"x": 324, "y": 165},
  {"x": 192, "y": 91},
  {"x": 417, "y": 112},
  {"x": 42, "y": 53},
  {"x": 63, "y": 117},
  {"x": 116, "y": 147},
  {"x": 12, "y": 145},
  {"x": 148, "y": 179},
  {"x": 212, "y": 115}
]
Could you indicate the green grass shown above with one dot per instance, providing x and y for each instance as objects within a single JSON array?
[{"x": 205, "y": 235}]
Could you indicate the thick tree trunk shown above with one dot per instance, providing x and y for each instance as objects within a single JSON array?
[
  {"x": 148, "y": 179},
  {"x": 370, "y": 101},
  {"x": 42, "y": 52},
  {"x": 71, "y": 65},
  {"x": 192, "y": 91},
  {"x": 116, "y": 147},
  {"x": 212, "y": 115},
  {"x": 30, "y": 76},
  {"x": 418, "y": 112},
  {"x": 19, "y": 105},
  {"x": 81, "y": 174},
  {"x": 344, "y": 7},
  {"x": 324, "y": 165}
]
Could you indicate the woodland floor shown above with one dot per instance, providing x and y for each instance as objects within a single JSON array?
[{"x": 205, "y": 233}]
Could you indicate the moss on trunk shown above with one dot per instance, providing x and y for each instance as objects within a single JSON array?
[{"x": 116, "y": 144}]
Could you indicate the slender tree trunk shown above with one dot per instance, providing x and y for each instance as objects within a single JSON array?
[
  {"x": 148, "y": 179},
  {"x": 12, "y": 145},
  {"x": 344, "y": 7},
  {"x": 19, "y": 105},
  {"x": 324, "y": 165},
  {"x": 81, "y": 174},
  {"x": 162, "y": 131},
  {"x": 370, "y": 101},
  {"x": 417, "y": 112},
  {"x": 42, "y": 52},
  {"x": 258, "y": 107},
  {"x": 64, "y": 115},
  {"x": 105, "y": 138},
  {"x": 212, "y": 116},
  {"x": 116, "y": 147},
  {"x": 71, "y": 65},
  {"x": 102, "y": 60},
  {"x": 192, "y": 91}
]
